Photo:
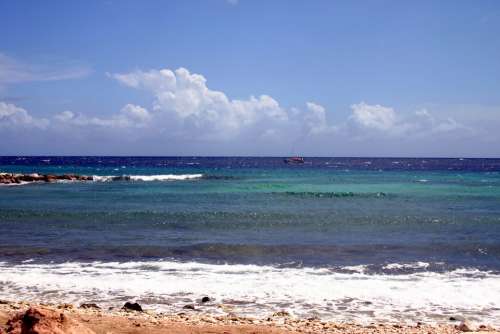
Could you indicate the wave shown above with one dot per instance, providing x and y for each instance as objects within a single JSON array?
[
  {"x": 331, "y": 194},
  {"x": 346, "y": 258},
  {"x": 159, "y": 177},
  {"x": 414, "y": 265},
  {"x": 258, "y": 291}
]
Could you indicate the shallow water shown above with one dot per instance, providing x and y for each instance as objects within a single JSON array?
[{"x": 419, "y": 237}]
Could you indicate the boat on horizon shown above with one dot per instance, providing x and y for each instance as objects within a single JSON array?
[{"x": 294, "y": 160}]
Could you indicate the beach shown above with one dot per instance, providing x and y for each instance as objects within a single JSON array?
[
  {"x": 89, "y": 319},
  {"x": 249, "y": 167},
  {"x": 370, "y": 244}
]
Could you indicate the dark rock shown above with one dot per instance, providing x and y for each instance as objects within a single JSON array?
[
  {"x": 132, "y": 307},
  {"x": 453, "y": 319},
  {"x": 49, "y": 178},
  {"x": 9, "y": 178},
  {"x": 205, "y": 299},
  {"x": 189, "y": 307},
  {"x": 90, "y": 305},
  {"x": 281, "y": 314}
]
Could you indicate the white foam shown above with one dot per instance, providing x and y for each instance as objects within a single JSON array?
[
  {"x": 22, "y": 183},
  {"x": 260, "y": 290},
  {"x": 414, "y": 265},
  {"x": 359, "y": 268},
  {"x": 160, "y": 177}
]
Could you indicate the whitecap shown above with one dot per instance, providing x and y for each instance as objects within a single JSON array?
[
  {"x": 160, "y": 177},
  {"x": 339, "y": 296}
]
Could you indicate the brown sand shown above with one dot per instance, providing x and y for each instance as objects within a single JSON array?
[{"x": 129, "y": 322}]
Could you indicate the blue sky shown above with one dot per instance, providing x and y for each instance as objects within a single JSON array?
[{"x": 218, "y": 77}]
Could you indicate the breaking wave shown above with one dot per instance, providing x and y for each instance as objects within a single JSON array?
[
  {"x": 160, "y": 177},
  {"x": 261, "y": 290},
  {"x": 331, "y": 194}
]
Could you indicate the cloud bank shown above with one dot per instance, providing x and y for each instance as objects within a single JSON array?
[
  {"x": 12, "y": 116},
  {"x": 185, "y": 111}
]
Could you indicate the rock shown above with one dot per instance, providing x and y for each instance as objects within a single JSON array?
[
  {"x": 37, "y": 320},
  {"x": 50, "y": 178},
  {"x": 9, "y": 178},
  {"x": 132, "y": 307},
  {"x": 281, "y": 314},
  {"x": 205, "y": 299},
  {"x": 464, "y": 327},
  {"x": 65, "y": 306},
  {"x": 91, "y": 306},
  {"x": 189, "y": 307}
]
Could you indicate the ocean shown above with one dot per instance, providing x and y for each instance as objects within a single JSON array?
[{"x": 346, "y": 239}]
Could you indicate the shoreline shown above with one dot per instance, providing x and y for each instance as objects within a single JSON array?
[{"x": 90, "y": 318}]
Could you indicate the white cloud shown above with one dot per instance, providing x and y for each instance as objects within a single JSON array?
[
  {"x": 13, "y": 116},
  {"x": 137, "y": 113},
  {"x": 184, "y": 103},
  {"x": 129, "y": 116},
  {"x": 13, "y": 71},
  {"x": 377, "y": 120},
  {"x": 373, "y": 116},
  {"x": 429, "y": 122},
  {"x": 185, "y": 97},
  {"x": 315, "y": 119}
]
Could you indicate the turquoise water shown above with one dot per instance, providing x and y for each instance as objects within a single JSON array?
[
  {"x": 346, "y": 239},
  {"x": 258, "y": 210}
]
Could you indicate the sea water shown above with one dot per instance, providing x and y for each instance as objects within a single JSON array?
[{"x": 345, "y": 239}]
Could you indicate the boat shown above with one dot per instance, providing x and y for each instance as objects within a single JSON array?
[{"x": 294, "y": 160}]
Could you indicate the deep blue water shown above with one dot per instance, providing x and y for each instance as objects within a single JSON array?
[{"x": 329, "y": 212}]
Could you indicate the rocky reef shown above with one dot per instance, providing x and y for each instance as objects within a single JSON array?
[{"x": 12, "y": 178}]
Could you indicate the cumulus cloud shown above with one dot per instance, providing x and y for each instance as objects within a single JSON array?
[
  {"x": 380, "y": 120},
  {"x": 183, "y": 102},
  {"x": 427, "y": 121},
  {"x": 13, "y": 71},
  {"x": 187, "y": 100},
  {"x": 373, "y": 116},
  {"x": 129, "y": 116},
  {"x": 13, "y": 116},
  {"x": 315, "y": 120}
]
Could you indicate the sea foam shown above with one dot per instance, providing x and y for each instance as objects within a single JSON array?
[
  {"x": 258, "y": 291},
  {"x": 160, "y": 177}
]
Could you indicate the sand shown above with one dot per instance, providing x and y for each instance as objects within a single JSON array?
[{"x": 121, "y": 321}]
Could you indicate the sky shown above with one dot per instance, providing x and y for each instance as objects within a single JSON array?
[{"x": 250, "y": 77}]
